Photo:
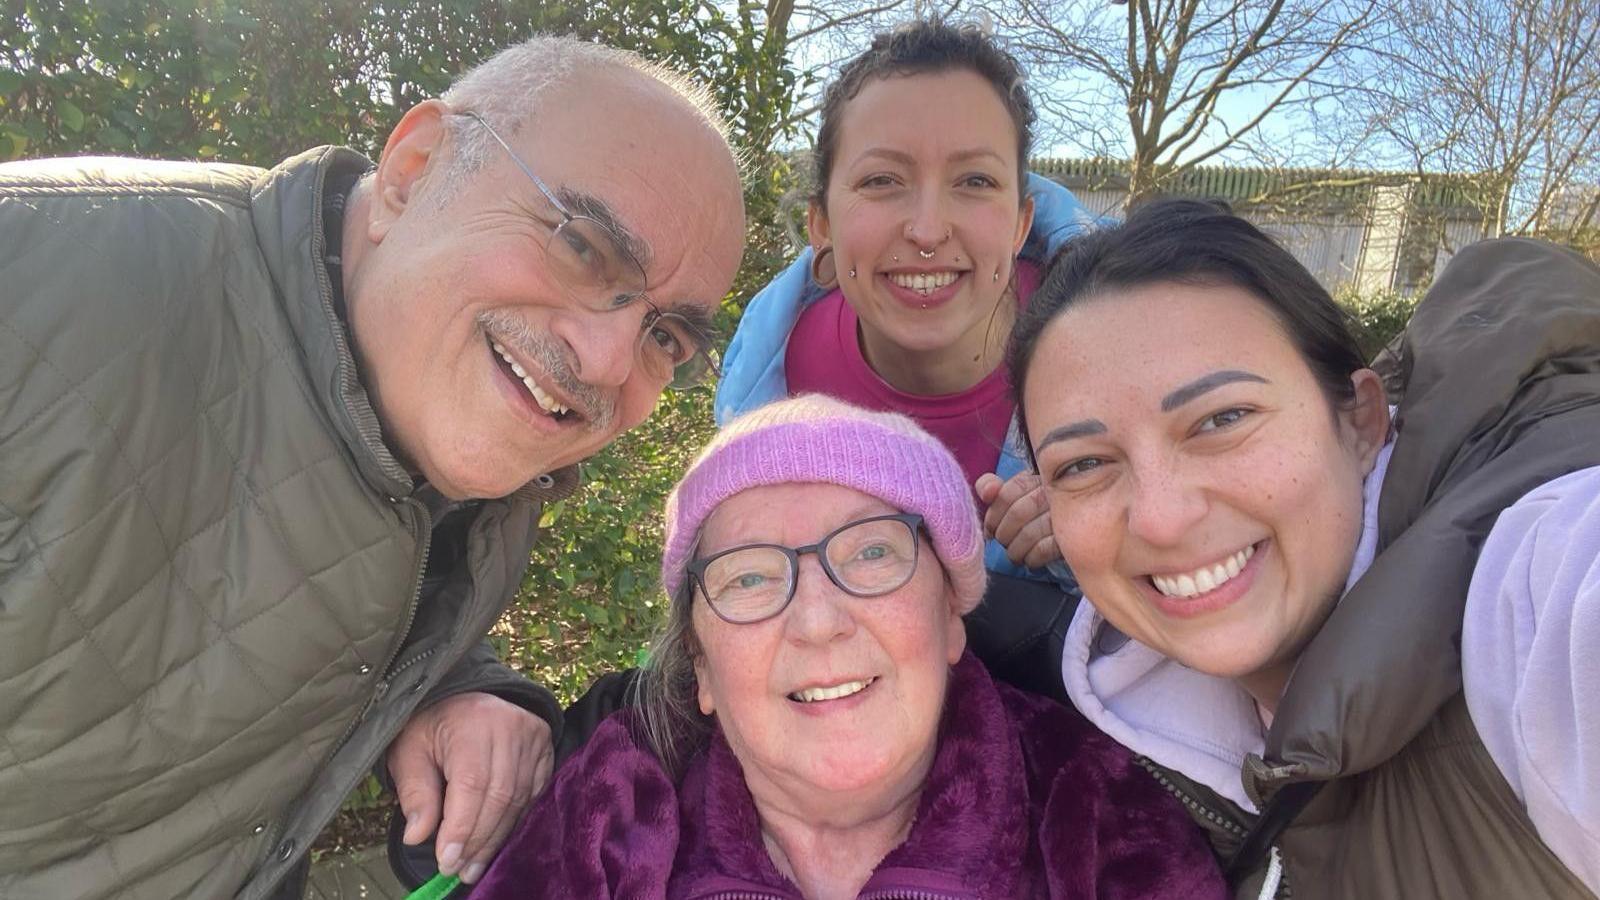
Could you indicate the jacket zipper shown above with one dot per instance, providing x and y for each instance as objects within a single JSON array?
[
  {"x": 1210, "y": 815},
  {"x": 1227, "y": 824},
  {"x": 385, "y": 680},
  {"x": 416, "y": 595}
]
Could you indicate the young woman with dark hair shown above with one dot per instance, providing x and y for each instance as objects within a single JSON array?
[{"x": 1358, "y": 645}]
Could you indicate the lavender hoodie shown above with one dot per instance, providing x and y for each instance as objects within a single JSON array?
[{"x": 1025, "y": 799}]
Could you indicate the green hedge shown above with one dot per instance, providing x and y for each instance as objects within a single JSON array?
[
  {"x": 592, "y": 595},
  {"x": 1377, "y": 317}
]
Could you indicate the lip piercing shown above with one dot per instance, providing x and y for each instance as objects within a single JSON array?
[
  {"x": 925, "y": 254},
  {"x": 895, "y": 258}
]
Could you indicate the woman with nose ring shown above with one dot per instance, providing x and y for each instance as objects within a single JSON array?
[
  {"x": 926, "y": 235},
  {"x": 812, "y": 725}
]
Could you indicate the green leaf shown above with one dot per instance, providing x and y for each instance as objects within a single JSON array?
[
  {"x": 552, "y": 513},
  {"x": 71, "y": 115}
]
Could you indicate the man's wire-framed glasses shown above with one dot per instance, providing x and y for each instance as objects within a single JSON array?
[
  {"x": 599, "y": 270},
  {"x": 865, "y": 558}
]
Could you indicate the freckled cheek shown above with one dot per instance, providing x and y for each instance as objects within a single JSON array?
[{"x": 1088, "y": 537}]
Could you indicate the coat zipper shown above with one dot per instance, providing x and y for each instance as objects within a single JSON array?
[
  {"x": 385, "y": 679},
  {"x": 1210, "y": 815}
]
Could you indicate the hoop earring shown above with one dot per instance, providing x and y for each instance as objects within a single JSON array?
[{"x": 823, "y": 270}]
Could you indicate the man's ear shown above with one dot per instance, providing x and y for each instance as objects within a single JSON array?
[
  {"x": 408, "y": 159},
  {"x": 1366, "y": 422}
]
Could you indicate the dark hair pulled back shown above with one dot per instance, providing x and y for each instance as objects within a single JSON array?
[
  {"x": 1192, "y": 242},
  {"x": 919, "y": 48}
]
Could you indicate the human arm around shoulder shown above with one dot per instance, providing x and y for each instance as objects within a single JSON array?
[
  {"x": 608, "y": 827},
  {"x": 1530, "y": 667}
]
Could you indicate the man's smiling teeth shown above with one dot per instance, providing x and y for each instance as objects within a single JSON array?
[
  {"x": 923, "y": 283},
  {"x": 545, "y": 401},
  {"x": 812, "y": 695},
  {"x": 1205, "y": 578}
]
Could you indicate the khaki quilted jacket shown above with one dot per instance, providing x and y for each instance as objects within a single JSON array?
[{"x": 216, "y": 601}]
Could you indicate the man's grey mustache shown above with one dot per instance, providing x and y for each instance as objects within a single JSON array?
[{"x": 596, "y": 409}]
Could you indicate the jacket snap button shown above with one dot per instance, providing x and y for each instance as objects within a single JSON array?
[
  {"x": 260, "y": 827},
  {"x": 285, "y": 850},
  {"x": 363, "y": 669}
]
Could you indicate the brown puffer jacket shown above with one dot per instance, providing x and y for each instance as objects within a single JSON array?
[
  {"x": 1374, "y": 782},
  {"x": 213, "y": 610}
]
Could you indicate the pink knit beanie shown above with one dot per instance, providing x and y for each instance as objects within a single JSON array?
[{"x": 814, "y": 438}]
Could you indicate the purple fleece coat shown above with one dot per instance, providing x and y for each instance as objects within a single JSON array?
[{"x": 1025, "y": 799}]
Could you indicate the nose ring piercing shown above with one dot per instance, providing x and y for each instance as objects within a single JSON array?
[{"x": 925, "y": 254}]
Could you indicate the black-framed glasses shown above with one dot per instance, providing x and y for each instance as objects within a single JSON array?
[
  {"x": 601, "y": 273},
  {"x": 865, "y": 558}
]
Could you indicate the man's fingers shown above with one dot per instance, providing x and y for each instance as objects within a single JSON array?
[
  {"x": 481, "y": 852},
  {"x": 468, "y": 789},
  {"x": 529, "y": 763},
  {"x": 418, "y": 787}
]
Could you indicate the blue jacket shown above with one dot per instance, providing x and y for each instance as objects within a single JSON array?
[{"x": 753, "y": 370}]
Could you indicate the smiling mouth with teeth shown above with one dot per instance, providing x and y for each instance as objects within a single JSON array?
[
  {"x": 836, "y": 692},
  {"x": 1204, "y": 579},
  {"x": 546, "y": 402},
  {"x": 924, "y": 283}
]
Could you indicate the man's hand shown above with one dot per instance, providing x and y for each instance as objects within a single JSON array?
[
  {"x": 479, "y": 760},
  {"x": 1019, "y": 518}
]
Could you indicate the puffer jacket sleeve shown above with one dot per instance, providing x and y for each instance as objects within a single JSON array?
[{"x": 1528, "y": 663}]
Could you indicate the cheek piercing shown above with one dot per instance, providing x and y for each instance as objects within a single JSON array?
[
  {"x": 853, "y": 273},
  {"x": 996, "y": 275}
]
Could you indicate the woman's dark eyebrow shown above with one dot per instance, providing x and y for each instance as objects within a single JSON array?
[
  {"x": 1204, "y": 384},
  {"x": 1079, "y": 429}
]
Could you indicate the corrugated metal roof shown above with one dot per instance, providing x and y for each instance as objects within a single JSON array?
[{"x": 1242, "y": 185}]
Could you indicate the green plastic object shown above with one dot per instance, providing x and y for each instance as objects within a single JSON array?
[{"x": 436, "y": 888}]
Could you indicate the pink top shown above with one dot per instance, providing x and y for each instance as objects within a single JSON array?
[{"x": 824, "y": 356}]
